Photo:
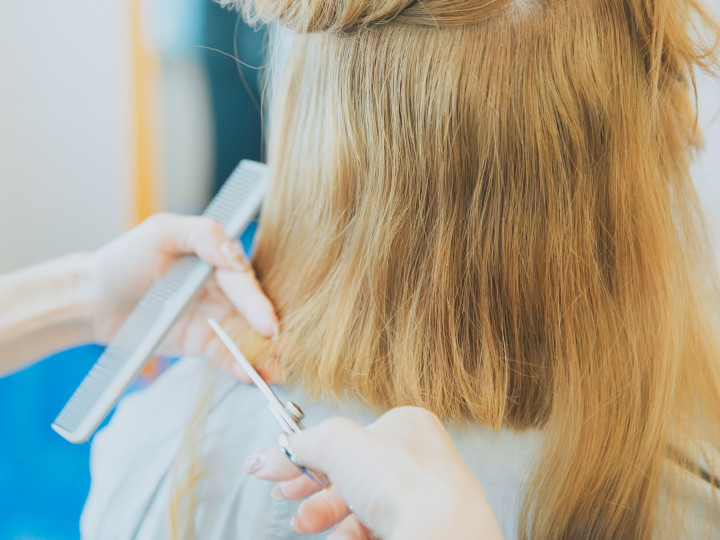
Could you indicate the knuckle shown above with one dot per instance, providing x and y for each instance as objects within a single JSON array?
[
  {"x": 159, "y": 218},
  {"x": 155, "y": 227},
  {"x": 214, "y": 227},
  {"x": 156, "y": 223},
  {"x": 206, "y": 228},
  {"x": 337, "y": 425}
]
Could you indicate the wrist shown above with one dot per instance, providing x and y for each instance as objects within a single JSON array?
[
  {"x": 46, "y": 310},
  {"x": 84, "y": 308},
  {"x": 96, "y": 304},
  {"x": 73, "y": 290}
]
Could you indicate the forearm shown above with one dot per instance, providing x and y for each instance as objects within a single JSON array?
[{"x": 43, "y": 309}]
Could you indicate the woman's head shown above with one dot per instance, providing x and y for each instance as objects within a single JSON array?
[{"x": 484, "y": 208}]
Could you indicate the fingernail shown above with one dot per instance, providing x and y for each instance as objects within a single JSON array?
[
  {"x": 254, "y": 463},
  {"x": 230, "y": 248},
  {"x": 276, "y": 333},
  {"x": 296, "y": 528},
  {"x": 276, "y": 493},
  {"x": 283, "y": 441},
  {"x": 234, "y": 255}
]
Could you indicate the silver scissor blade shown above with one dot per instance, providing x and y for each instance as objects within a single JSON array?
[
  {"x": 247, "y": 366},
  {"x": 288, "y": 422}
]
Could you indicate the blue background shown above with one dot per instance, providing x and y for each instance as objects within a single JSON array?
[{"x": 44, "y": 480}]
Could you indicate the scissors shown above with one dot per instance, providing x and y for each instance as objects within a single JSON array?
[{"x": 288, "y": 415}]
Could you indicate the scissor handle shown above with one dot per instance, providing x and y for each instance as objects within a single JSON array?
[
  {"x": 312, "y": 474},
  {"x": 287, "y": 417},
  {"x": 295, "y": 412}
]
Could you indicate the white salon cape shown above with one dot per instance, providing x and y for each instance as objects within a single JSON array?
[{"x": 131, "y": 462}]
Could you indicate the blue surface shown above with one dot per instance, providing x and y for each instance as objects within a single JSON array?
[{"x": 44, "y": 480}]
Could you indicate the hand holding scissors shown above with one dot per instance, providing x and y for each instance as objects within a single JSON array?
[
  {"x": 288, "y": 415},
  {"x": 400, "y": 477}
]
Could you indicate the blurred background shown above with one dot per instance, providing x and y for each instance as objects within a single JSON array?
[{"x": 111, "y": 111}]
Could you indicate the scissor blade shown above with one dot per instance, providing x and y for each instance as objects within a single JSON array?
[{"x": 240, "y": 357}]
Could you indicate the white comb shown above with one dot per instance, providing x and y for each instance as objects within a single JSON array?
[{"x": 234, "y": 207}]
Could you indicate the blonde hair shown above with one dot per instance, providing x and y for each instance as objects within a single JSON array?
[{"x": 484, "y": 208}]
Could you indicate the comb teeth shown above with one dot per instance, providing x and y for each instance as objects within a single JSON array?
[
  {"x": 143, "y": 318},
  {"x": 234, "y": 206},
  {"x": 224, "y": 205}
]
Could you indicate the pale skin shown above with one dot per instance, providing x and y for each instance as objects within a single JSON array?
[
  {"x": 85, "y": 297},
  {"x": 398, "y": 478},
  {"x": 402, "y": 475}
]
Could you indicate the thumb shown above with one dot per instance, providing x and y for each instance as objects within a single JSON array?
[
  {"x": 330, "y": 444},
  {"x": 185, "y": 235},
  {"x": 371, "y": 479}
]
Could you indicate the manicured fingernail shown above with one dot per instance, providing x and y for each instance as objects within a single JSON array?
[
  {"x": 230, "y": 248},
  {"x": 234, "y": 255},
  {"x": 276, "y": 493},
  {"x": 276, "y": 333},
  {"x": 295, "y": 527},
  {"x": 254, "y": 463}
]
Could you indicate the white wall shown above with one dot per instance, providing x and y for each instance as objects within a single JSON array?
[{"x": 65, "y": 159}]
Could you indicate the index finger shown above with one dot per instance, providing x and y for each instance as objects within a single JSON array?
[
  {"x": 177, "y": 234},
  {"x": 275, "y": 466},
  {"x": 246, "y": 294}
]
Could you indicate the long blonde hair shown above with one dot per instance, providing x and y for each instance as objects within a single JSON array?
[{"x": 483, "y": 207}]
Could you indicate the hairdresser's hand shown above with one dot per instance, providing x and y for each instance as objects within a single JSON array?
[
  {"x": 123, "y": 270},
  {"x": 401, "y": 477}
]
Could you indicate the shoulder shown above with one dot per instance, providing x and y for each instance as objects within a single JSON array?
[
  {"x": 695, "y": 498},
  {"x": 130, "y": 457},
  {"x": 502, "y": 462},
  {"x": 134, "y": 460}
]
